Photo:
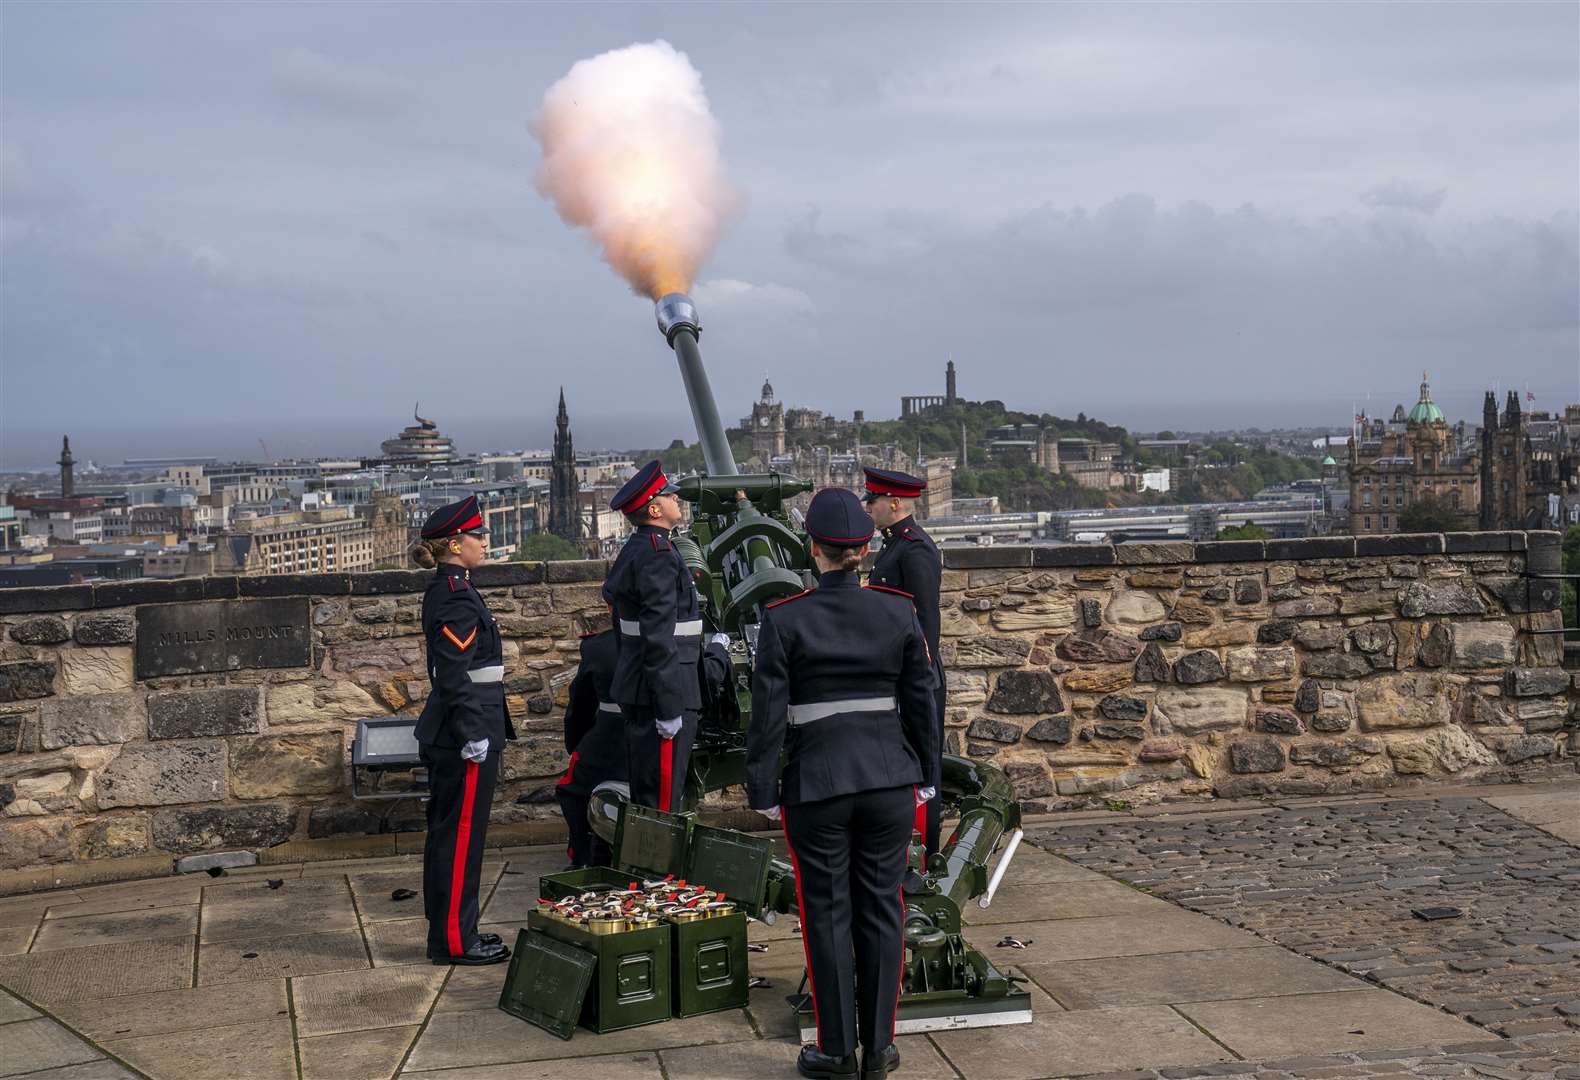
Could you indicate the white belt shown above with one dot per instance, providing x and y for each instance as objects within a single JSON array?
[
  {"x": 689, "y": 628},
  {"x": 608, "y": 706},
  {"x": 487, "y": 674},
  {"x": 817, "y": 710}
]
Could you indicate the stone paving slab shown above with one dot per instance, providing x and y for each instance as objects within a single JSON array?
[
  {"x": 1165, "y": 931},
  {"x": 355, "y": 1055},
  {"x": 358, "y": 1000},
  {"x": 628, "y": 1066},
  {"x": 28, "y": 910},
  {"x": 401, "y": 941},
  {"x": 1324, "y": 1023},
  {"x": 472, "y": 987},
  {"x": 33, "y": 1045},
  {"x": 136, "y": 967},
  {"x": 275, "y": 957},
  {"x": 253, "y": 910},
  {"x": 492, "y": 1037},
  {"x": 139, "y": 925},
  {"x": 141, "y": 897},
  {"x": 1064, "y": 900},
  {"x": 12, "y": 1010},
  {"x": 1032, "y": 866},
  {"x": 102, "y": 1069},
  {"x": 919, "y": 1060},
  {"x": 16, "y": 939},
  {"x": 1546, "y": 808},
  {"x": 1096, "y": 1040},
  {"x": 262, "y": 1051},
  {"x": 134, "y": 1015},
  {"x": 372, "y": 894},
  {"x": 1170, "y": 978}
]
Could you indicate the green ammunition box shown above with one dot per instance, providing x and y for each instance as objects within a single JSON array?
[
  {"x": 574, "y": 882},
  {"x": 547, "y": 982},
  {"x": 709, "y": 965},
  {"x": 631, "y": 980}
]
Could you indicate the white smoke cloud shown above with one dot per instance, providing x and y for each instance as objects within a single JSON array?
[{"x": 631, "y": 153}]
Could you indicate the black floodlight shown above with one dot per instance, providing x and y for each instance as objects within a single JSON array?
[{"x": 387, "y": 744}]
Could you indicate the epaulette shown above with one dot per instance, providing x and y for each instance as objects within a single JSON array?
[
  {"x": 660, "y": 543},
  {"x": 909, "y": 535},
  {"x": 787, "y": 599},
  {"x": 889, "y": 588}
]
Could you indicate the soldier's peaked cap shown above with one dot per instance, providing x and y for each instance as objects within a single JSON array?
[
  {"x": 640, "y": 489},
  {"x": 453, "y": 519},
  {"x": 881, "y": 482},
  {"x": 836, "y": 517}
]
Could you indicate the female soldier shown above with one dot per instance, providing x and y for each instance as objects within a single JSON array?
[
  {"x": 845, "y": 669},
  {"x": 460, "y": 734}
]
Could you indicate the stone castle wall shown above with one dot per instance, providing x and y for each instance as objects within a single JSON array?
[{"x": 145, "y": 721}]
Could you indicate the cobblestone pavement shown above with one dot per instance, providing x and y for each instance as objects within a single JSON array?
[
  {"x": 1339, "y": 882},
  {"x": 1534, "y": 1057}
]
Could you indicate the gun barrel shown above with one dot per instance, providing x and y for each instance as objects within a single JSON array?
[{"x": 678, "y": 322}]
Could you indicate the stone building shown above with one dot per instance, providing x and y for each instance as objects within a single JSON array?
[
  {"x": 332, "y": 539},
  {"x": 913, "y": 404},
  {"x": 388, "y": 522},
  {"x": 767, "y": 424},
  {"x": 1412, "y": 457},
  {"x": 68, "y": 482},
  {"x": 1530, "y": 466}
]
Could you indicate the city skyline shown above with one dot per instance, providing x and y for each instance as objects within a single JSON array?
[{"x": 336, "y": 213}]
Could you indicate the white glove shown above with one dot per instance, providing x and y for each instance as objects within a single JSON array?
[
  {"x": 720, "y": 639},
  {"x": 772, "y": 813},
  {"x": 668, "y": 729},
  {"x": 476, "y": 750},
  {"x": 924, "y": 794}
]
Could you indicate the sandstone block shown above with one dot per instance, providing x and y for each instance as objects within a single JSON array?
[
  {"x": 27, "y": 680},
  {"x": 1404, "y": 701},
  {"x": 1319, "y": 638},
  {"x": 1111, "y": 730},
  {"x": 1213, "y": 637},
  {"x": 1135, "y": 609},
  {"x": 1421, "y": 598},
  {"x": 1256, "y": 756},
  {"x": 535, "y": 756},
  {"x": 41, "y": 630},
  {"x": 47, "y": 793},
  {"x": 985, "y": 652},
  {"x": 191, "y": 714},
  {"x": 1306, "y": 607},
  {"x": 1098, "y": 647},
  {"x": 103, "y": 719},
  {"x": 106, "y": 628},
  {"x": 1366, "y": 603},
  {"x": 1026, "y": 692},
  {"x": 1195, "y": 668},
  {"x": 966, "y": 687},
  {"x": 1043, "y": 613},
  {"x": 1103, "y": 680},
  {"x": 1334, "y": 754},
  {"x": 110, "y": 837},
  {"x": 1161, "y": 750},
  {"x": 96, "y": 671},
  {"x": 31, "y": 842},
  {"x": 164, "y": 774},
  {"x": 1484, "y": 644},
  {"x": 222, "y": 827},
  {"x": 1279, "y": 722},
  {"x": 320, "y": 703},
  {"x": 1156, "y": 579},
  {"x": 1194, "y": 711},
  {"x": 1188, "y": 610},
  {"x": 307, "y": 764},
  {"x": 1255, "y": 664},
  {"x": 1517, "y": 748},
  {"x": 1450, "y": 749}
]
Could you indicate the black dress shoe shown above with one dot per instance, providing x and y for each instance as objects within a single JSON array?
[
  {"x": 875, "y": 1065},
  {"x": 817, "y": 1065},
  {"x": 476, "y": 955},
  {"x": 490, "y": 939}
]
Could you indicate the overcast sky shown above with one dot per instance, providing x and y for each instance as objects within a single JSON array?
[{"x": 232, "y": 222}]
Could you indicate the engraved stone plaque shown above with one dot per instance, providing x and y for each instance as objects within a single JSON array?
[{"x": 222, "y": 635}]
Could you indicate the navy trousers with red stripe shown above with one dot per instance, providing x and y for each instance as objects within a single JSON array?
[
  {"x": 657, "y": 766},
  {"x": 460, "y": 793},
  {"x": 600, "y": 756},
  {"x": 849, "y": 856}
]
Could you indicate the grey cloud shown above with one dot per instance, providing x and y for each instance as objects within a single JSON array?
[
  {"x": 1398, "y": 195},
  {"x": 307, "y": 77}
]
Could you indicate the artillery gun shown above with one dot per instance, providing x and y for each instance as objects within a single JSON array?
[{"x": 745, "y": 549}]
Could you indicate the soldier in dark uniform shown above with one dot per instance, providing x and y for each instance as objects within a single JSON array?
[
  {"x": 842, "y": 683},
  {"x": 595, "y": 737},
  {"x": 461, "y": 733},
  {"x": 909, "y": 561},
  {"x": 658, "y": 617}
]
